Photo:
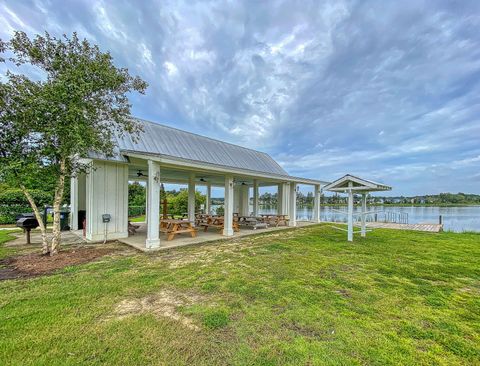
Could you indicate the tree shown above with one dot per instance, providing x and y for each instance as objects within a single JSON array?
[
  {"x": 77, "y": 108},
  {"x": 179, "y": 202},
  {"x": 136, "y": 194}
]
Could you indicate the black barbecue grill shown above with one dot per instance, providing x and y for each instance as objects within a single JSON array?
[{"x": 27, "y": 222}]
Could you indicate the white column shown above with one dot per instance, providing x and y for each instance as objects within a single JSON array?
[
  {"x": 350, "y": 213},
  {"x": 236, "y": 198},
  {"x": 317, "y": 202},
  {"x": 153, "y": 206},
  {"x": 208, "y": 198},
  {"x": 228, "y": 206},
  {"x": 283, "y": 198},
  {"x": 191, "y": 198},
  {"x": 255, "y": 197},
  {"x": 280, "y": 199},
  {"x": 146, "y": 202},
  {"x": 364, "y": 211},
  {"x": 244, "y": 200},
  {"x": 74, "y": 203},
  {"x": 293, "y": 204}
]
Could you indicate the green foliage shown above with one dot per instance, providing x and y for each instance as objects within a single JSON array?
[
  {"x": 16, "y": 197},
  {"x": 178, "y": 201},
  {"x": 13, "y": 202},
  {"x": 220, "y": 211},
  {"x": 136, "y": 194},
  {"x": 442, "y": 199},
  {"x": 78, "y": 107},
  {"x": 134, "y": 211}
]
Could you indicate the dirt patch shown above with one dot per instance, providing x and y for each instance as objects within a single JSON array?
[
  {"x": 342, "y": 292},
  {"x": 36, "y": 264},
  {"x": 165, "y": 303}
]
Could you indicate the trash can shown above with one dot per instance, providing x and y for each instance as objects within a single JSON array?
[{"x": 64, "y": 216}]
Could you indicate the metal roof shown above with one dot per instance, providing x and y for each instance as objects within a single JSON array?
[
  {"x": 351, "y": 182},
  {"x": 163, "y": 140}
]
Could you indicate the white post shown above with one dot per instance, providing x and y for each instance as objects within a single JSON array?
[
  {"x": 153, "y": 213},
  {"x": 317, "y": 203},
  {"x": 350, "y": 213},
  {"x": 191, "y": 198},
  {"x": 228, "y": 206},
  {"x": 74, "y": 203},
  {"x": 244, "y": 200},
  {"x": 255, "y": 197},
  {"x": 280, "y": 199},
  {"x": 208, "y": 198},
  {"x": 286, "y": 197},
  {"x": 146, "y": 202},
  {"x": 364, "y": 210},
  {"x": 293, "y": 204}
]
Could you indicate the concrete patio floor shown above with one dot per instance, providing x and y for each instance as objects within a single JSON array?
[
  {"x": 68, "y": 238},
  {"x": 138, "y": 240}
]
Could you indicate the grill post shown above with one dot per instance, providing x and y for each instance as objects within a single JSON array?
[{"x": 27, "y": 232}]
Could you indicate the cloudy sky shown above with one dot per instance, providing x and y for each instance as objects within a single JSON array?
[{"x": 388, "y": 90}]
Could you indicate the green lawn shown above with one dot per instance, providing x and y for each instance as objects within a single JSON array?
[
  {"x": 300, "y": 297},
  {"x": 5, "y": 235},
  {"x": 137, "y": 219}
]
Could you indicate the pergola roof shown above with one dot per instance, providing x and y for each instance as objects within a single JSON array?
[
  {"x": 352, "y": 183},
  {"x": 173, "y": 146},
  {"x": 168, "y": 141}
]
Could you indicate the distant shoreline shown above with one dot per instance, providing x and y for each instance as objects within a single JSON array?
[
  {"x": 383, "y": 204},
  {"x": 410, "y": 204}
]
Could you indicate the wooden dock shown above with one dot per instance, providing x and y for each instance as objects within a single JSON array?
[{"x": 432, "y": 228}]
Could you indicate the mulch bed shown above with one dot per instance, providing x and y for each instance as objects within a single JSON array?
[{"x": 35, "y": 264}]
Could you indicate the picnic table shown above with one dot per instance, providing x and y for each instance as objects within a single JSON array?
[
  {"x": 172, "y": 227},
  {"x": 201, "y": 218},
  {"x": 275, "y": 219},
  {"x": 252, "y": 221},
  {"x": 217, "y": 222}
]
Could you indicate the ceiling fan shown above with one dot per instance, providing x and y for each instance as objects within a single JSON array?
[{"x": 140, "y": 174}]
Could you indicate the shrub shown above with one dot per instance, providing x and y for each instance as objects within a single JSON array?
[
  {"x": 220, "y": 211},
  {"x": 13, "y": 203}
]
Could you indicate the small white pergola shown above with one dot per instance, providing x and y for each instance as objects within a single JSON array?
[{"x": 350, "y": 184}]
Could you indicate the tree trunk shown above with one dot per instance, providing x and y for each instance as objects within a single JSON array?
[
  {"x": 56, "y": 233},
  {"x": 39, "y": 218}
]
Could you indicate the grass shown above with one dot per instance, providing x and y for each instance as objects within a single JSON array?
[
  {"x": 5, "y": 235},
  {"x": 137, "y": 218},
  {"x": 296, "y": 297}
]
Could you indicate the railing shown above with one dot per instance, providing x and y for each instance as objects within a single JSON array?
[
  {"x": 370, "y": 216},
  {"x": 391, "y": 216}
]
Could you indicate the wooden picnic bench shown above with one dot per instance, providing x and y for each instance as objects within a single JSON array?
[
  {"x": 218, "y": 223},
  {"x": 252, "y": 222},
  {"x": 174, "y": 227},
  {"x": 276, "y": 220}
]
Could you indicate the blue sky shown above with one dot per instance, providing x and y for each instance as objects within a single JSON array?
[{"x": 387, "y": 90}]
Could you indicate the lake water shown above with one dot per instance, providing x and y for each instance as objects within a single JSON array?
[{"x": 457, "y": 219}]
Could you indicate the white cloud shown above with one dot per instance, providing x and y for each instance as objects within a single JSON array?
[
  {"x": 170, "y": 67},
  {"x": 326, "y": 87}
]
